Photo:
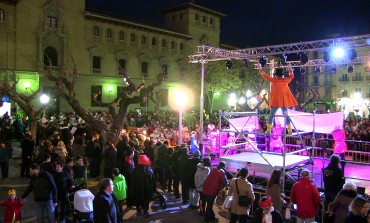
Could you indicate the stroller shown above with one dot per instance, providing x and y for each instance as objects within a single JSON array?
[{"x": 83, "y": 206}]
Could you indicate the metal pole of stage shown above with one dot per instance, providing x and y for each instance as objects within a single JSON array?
[{"x": 201, "y": 108}]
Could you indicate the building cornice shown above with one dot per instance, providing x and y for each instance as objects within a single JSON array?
[
  {"x": 195, "y": 6},
  {"x": 90, "y": 15}
]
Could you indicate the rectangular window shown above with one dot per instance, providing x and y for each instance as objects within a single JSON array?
[
  {"x": 96, "y": 65},
  {"x": 121, "y": 35},
  {"x": 181, "y": 17},
  {"x": 121, "y": 65},
  {"x": 164, "y": 97},
  {"x": 52, "y": 22},
  {"x": 144, "y": 69},
  {"x": 143, "y": 40},
  {"x": 133, "y": 37},
  {"x": 211, "y": 22},
  {"x": 196, "y": 17},
  {"x": 163, "y": 43},
  {"x": 154, "y": 41},
  {"x": 109, "y": 33},
  {"x": 181, "y": 46},
  {"x": 165, "y": 71},
  {"x": 95, "y": 95},
  {"x": 96, "y": 31},
  {"x": 172, "y": 45},
  {"x": 2, "y": 15},
  {"x": 204, "y": 19}
]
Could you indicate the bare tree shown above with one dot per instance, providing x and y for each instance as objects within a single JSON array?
[
  {"x": 26, "y": 103},
  {"x": 117, "y": 109}
]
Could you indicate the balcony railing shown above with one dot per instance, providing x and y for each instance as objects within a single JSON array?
[
  {"x": 357, "y": 78},
  {"x": 343, "y": 79},
  {"x": 96, "y": 71}
]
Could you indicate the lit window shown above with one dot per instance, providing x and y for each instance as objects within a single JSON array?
[
  {"x": 133, "y": 37},
  {"x": 2, "y": 15},
  {"x": 96, "y": 31},
  {"x": 109, "y": 33},
  {"x": 52, "y": 22}
]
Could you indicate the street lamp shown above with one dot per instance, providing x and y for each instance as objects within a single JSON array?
[
  {"x": 44, "y": 99},
  {"x": 180, "y": 101}
]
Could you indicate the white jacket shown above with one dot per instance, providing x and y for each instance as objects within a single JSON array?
[{"x": 201, "y": 175}]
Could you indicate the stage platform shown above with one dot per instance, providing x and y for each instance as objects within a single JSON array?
[{"x": 256, "y": 163}]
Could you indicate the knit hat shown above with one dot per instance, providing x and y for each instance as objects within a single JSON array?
[
  {"x": 143, "y": 160},
  {"x": 265, "y": 202},
  {"x": 12, "y": 192}
]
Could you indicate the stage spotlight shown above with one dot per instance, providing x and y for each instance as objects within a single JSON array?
[
  {"x": 263, "y": 61},
  {"x": 326, "y": 56},
  {"x": 350, "y": 69},
  {"x": 245, "y": 62},
  {"x": 317, "y": 70},
  {"x": 352, "y": 54},
  {"x": 338, "y": 52},
  {"x": 229, "y": 64},
  {"x": 333, "y": 70},
  {"x": 304, "y": 58},
  {"x": 303, "y": 71},
  {"x": 282, "y": 60}
]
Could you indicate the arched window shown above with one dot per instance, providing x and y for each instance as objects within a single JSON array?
[
  {"x": 2, "y": 15},
  {"x": 52, "y": 54}
]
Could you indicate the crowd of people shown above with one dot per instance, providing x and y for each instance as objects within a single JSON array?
[{"x": 143, "y": 164}]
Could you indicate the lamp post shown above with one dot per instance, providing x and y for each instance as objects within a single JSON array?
[
  {"x": 180, "y": 100},
  {"x": 44, "y": 99}
]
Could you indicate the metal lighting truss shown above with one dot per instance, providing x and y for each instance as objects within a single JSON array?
[{"x": 208, "y": 53}]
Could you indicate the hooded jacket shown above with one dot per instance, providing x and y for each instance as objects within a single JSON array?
[
  {"x": 120, "y": 187},
  {"x": 200, "y": 176}
]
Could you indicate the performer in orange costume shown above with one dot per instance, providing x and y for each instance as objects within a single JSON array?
[{"x": 280, "y": 95}]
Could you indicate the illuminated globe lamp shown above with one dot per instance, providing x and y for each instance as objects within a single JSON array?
[
  {"x": 180, "y": 100},
  {"x": 44, "y": 99}
]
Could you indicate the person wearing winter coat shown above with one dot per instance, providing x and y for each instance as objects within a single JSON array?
[
  {"x": 128, "y": 169},
  {"x": 201, "y": 174},
  {"x": 304, "y": 193},
  {"x": 238, "y": 212},
  {"x": 191, "y": 170},
  {"x": 120, "y": 188},
  {"x": 12, "y": 208},
  {"x": 215, "y": 181},
  {"x": 343, "y": 200},
  {"x": 28, "y": 146},
  {"x": 5, "y": 154},
  {"x": 144, "y": 185},
  {"x": 105, "y": 203},
  {"x": 266, "y": 212},
  {"x": 110, "y": 158}
]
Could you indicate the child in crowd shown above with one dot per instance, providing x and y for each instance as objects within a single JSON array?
[{"x": 12, "y": 208}]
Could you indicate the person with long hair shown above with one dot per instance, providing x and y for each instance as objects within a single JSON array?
[
  {"x": 358, "y": 211},
  {"x": 274, "y": 190},
  {"x": 280, "y": 95}
]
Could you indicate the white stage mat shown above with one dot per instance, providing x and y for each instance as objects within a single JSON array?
[{"x": 256, "y": 163}]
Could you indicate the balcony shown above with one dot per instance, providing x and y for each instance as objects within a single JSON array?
[
  {"x": 357, "y": 78},
  {"x": 343, "y": 79}
]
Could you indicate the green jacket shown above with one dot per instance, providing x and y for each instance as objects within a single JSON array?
[{"x": 120, "y": 187}]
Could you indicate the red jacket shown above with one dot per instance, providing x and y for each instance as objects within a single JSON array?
[
  {"x": 12, "y": 207},
  {"x": 304, "y": 193},
  {"x": 215, "y": 181}
]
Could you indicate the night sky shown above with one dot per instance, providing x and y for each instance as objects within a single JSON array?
[{"x": 252, "y": 23}]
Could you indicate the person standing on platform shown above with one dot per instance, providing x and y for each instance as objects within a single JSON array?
[
  {"x": 304, "y": 193},
  {"x": 193, "y": 143},
  {"x": 333, "y": 179},
  {"x": 280, "y": 95}
]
